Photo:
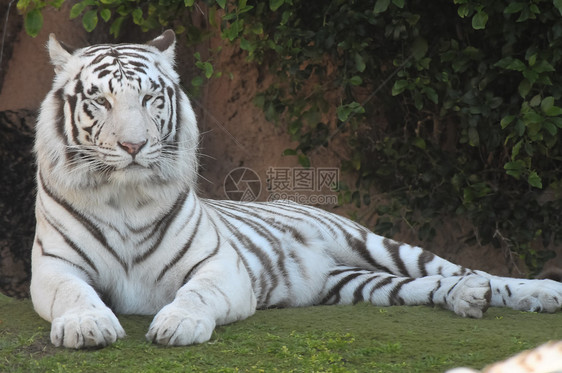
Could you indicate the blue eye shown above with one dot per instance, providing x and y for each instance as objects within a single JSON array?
[{"x": 102, "y": 101}]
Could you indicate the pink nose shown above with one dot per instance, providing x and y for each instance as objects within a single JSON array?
[{"x": 131, "y": 148}]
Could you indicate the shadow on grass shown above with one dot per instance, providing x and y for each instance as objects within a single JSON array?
[{"x": 359, "y": 338}]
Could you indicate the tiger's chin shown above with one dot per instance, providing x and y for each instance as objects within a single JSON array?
[{"x": 134, "y": 174}]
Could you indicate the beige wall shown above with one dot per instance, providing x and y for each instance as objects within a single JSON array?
[{"x": 29, "y": 73}]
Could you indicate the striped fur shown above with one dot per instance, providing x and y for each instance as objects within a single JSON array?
[{"x": 120, "y": 227}]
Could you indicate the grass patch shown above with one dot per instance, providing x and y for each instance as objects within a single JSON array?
[{"x": 360, "y": 338}]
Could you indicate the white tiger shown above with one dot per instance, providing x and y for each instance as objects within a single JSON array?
[{"x": 120, "y": 227}]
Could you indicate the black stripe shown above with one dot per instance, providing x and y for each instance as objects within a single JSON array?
[
  {"x": 161, "y": 228},
  {"x": 335, "y": 291},
  {"x": 82, "y": 269},
  {"x": 193, "y": 269},
  {"x": 69, "y": 242},
  {"x": 360, "y": 247},
  {"x": 103, "y": 66},
  {"x": 72, "y": 99},
  {"x": 381, "y": 284},
  {"x": 171, "y": 121},
  {"x": 430, "y": 300},
  {"x": 265, "y": 275},
  {"x": 184, "y": 250},
  {"x": 59, "y": 96},
  {"x": 393, "y": 248},
  {"x": 424, "y": 258},
  {"x": 358, "y": 293},
  {"x": 393, "y": 297},
  {"x": 90, "y": 226}
]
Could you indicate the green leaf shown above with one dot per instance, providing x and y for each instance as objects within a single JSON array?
[
  {"x": 221, "y": 3},
  {"x": 295, "y": 127},
  {"x": 105, "y": 14},
  {"x": 514, "y": 168},
  {"x": 359, "y": 62},
  {"x": 419, "y": 48},
  {"x": 516, "y": 149},
  {"x": 547, "y": 104},
  {"x": 558, "y": 5},
  {"x": 531, "y": 117},
  {"x": 463, "y": 11},
  {"x": 355, "y": 80},
  {"x": 137, "y": 16},
  {"x": 510, "y": 63},
  {"x": 208, "y": 69},
  {"x": 534, "y": 180},
  {"x": 431, "y": 94},
  {"x": 275, "y": 4},
  {"x": 548, "y": 107},
  {"x": 289, "y": 152},
  {"x": 543, "y": 66},
  {"x": 197, "y": 81},
  {"x": 33, "y": 22},
  {"x": 90, "y": 20},
  {"x": 557, "y": 121},
  {"x": 77, "y": 9},
  {"x": 419, "y": 142},
  {"x": 514, "y": 7},
  {"x": 398, "y": 3},
  {"x": 381, "y": 6},
  {"x": 479, "y": 20},
  {"x": 535, "y": 101},
  {"x": 506, "y": 121},
  {"x": 550, "y": 128},
  {"x": 188, "y": 3},
  {"x": 524, "y": 88},
  {"x": 304, "y": 160},
  {"x": 115, "y": 27},
  {"x": 473, "y": 136},
  {"x": 399, "y": 87}
]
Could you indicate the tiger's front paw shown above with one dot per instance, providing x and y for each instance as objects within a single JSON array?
[
  {"x": 471, "y": 296},
  {"x": 83, "y": 329},
  {"x": 175, "y": 326}
]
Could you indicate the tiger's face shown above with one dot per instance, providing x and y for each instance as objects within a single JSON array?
[
  {"x": 120, "y": 114},
  {"x": 120, "y": 118}
]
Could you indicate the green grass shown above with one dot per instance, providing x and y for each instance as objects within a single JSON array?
[{"x": 360, "y": 338}]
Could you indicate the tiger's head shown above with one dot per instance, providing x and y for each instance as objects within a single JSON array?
[{"x": 116, "y": 116}]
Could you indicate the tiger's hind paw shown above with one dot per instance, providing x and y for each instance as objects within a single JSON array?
[
  {"x": 471, "y": 296},
  {"x": 538, "y": 296}
]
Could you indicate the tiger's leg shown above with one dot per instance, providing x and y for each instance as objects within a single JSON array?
[
  {"x": 468, "y": 296},
  {"x": 220, "y": 292},
  {"x": 525, "y": 294},
  {"x": 382, "y": 254},
  {"x": 61, "y": 294}
]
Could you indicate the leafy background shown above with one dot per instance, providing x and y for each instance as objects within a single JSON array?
[{"x": 448, "y": 108}]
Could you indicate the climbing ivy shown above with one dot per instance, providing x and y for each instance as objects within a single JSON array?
[{"x": 448, "y": 107}]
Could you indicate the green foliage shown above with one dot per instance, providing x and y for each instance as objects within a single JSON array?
[
  {"x": 33, "y": 21},
  {"x": 471, "y": 112},
  {"x": 448, "y": 107}
]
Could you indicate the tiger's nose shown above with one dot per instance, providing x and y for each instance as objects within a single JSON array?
[{"x": 132, "y": 148}]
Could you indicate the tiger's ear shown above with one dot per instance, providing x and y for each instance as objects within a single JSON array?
[
  {"x": 59, "y": 53},
  {"x": 165, "y": 43}
]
